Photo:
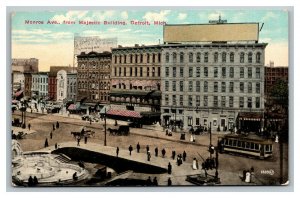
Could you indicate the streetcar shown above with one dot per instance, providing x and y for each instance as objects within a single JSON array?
[{"x": 249, "y": 145}]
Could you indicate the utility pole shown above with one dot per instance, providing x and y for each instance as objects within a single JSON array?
[
  {"x": 210, "y": 137},
  {"x": 105, "y": 127}
]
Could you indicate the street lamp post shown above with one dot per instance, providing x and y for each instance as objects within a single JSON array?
[{"x": 210, "y": 137}]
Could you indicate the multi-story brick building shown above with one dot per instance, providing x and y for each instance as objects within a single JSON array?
[
  {"x": 93, "y": 77},
  {"x": 272, "y": 74},
  {"x": 136, "y": 77}
]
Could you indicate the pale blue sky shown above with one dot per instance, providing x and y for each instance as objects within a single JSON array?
[{"x": 274, "y": 32}]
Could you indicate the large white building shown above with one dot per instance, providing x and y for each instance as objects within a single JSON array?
[
  {"x": 39, "y": 86},
  {"x": 72, "y": 85},
  {"x": 66, "y": 85},
  {"x": 217, "y": 83}
]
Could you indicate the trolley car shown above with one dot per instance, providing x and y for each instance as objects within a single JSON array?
[{"x": 246, "y": 145}]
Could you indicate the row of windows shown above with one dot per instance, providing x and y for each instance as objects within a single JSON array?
[
  {"x": 137, "y": 72},
  {"x": 195, "y": 86},
  {"x": 94, "y": 85},
  {"x": 137, "y": 58},
  {"x": 95, "y": 65},
  {"x": 40, "y": 87},
  {"x": 39, "y": 80},
  {"x": 216, "y": 101},
  {"x": 204, "y": 57},
  {"x": 94, "y": 75},
  {"x": 215, "y": 72}
]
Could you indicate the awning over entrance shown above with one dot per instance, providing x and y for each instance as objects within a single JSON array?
[
  {"x": 250, "y": 116},
  {"x": 124, "y": 113},
  {"x": 19, "y": 93},
  {"x": 104, "y": 109}
]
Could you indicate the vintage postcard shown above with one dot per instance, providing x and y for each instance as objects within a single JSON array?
[{"x": 149, "y": 97}]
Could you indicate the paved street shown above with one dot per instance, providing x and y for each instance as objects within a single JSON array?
[{"x": 230, "y": 166}]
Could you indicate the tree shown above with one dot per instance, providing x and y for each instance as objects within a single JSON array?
[{"x": 279, "y": 93}]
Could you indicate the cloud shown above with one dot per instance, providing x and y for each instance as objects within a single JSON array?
[
  {"x": 70, "y": 16},
  {"x": 157, "y": 16},
  {"x": 215, "y": 15},
  {"x": 101, "y": 16},
  {"x": 269, "y": 16},
  {"x": 30, "y": 32},
  {"x": 182, "y": 16},
  {"x": 124, "y": 15}
]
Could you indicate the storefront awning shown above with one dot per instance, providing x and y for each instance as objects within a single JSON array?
[
  {"x": 250, "y": 116},
  {"x": 18, "y": 93},
  {"x": 124, "y": 113}
]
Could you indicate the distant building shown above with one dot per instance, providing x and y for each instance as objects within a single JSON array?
[
  {"x": 272, "y": 74},
  {"x": 39, "y": 88},
  {"x": 18, "y": 81},
  {"x": 52, "y": 85},
  {"x": 66, "y": 85},
  {"x": 136, "y": 77},
  {"x": 93, "y": 77},
  {"x": 72, "y": 85},
  {"x": 28, "y": 84},
  {"x": 30, "y": 65}
]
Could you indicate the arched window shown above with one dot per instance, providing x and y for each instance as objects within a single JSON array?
[
  {"x": 174, "y": 57},
  {"x": 148, "y": 58},
  {"x": 242, "y": 57},
  {"x": 206, "y": 57},
  {"x": 136, "y": 58},
  {"x": 130, "y": 58},
  {"x": 198, "y": 57},
  {"x": 181, "y": 57},
  {"x": 153, "y": 58},
  {"x": 250, "y": 57},
  {"x": 224, "y": 57},
  {"x": 191, "y": 57},
  {"x": 167, "y": 57},
  {"x": 216, "y": 57},
  {"x": 141, "y": 58},
  {"x": 258, "y": 57},
  {"x": 231, "y": 57},
  {"x": 124, "y": 61}
]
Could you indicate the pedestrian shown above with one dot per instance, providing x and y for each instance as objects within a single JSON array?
[
  {"x": 169, "y": 168},
  {"x": 148, "y": 155},
  {"x": 85, "y": 139},
  {"x": 169, "y": 182},
  {"x": 163, "y": 152},
  {"x": 57, "y": 125},
  {"x": 30, "y": 181},
  {"x": 148, "y": 181},
  {"x": 156, "y": 151},
  {"x": 116, "y": 123},
  {"x": 117, "y": 151},
  {"x": 78, "y": 140},
  {"x": 53, "y": 127},
  {"x": 194, "y": 164},
  {"x": 46, "y": 143},
  {"x": 244, "y": 175},
  {"x": 155, "y": 183},
  {"x": 29, "y": 126},
  {"x": 138, "y": 147},
  {"x": 248, "y": 177},
  {"x": 184, "y": 155},
  {"x": 167, "y": 131},
  {"x": 90, "y": 121},
  {"x": 173, "y": 155},
  {"x": 147, "y": 148},
  {"x": 55, "y": 146},
  {"x": 130, "y": 149},
  {"x": 35, "y": 181},
  {"x": 51, "y": 135}
]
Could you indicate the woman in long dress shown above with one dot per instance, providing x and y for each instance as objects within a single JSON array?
[{"x": 195, "y": 164}]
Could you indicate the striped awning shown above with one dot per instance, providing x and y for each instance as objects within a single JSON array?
[
  {"x": 73, "y": 107},
  {"x": 124, "y": 113},
  {"x": 18, "y": 93}
]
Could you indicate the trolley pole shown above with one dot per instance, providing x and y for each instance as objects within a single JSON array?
[
  {"x": 105, "y": 128},
  {"x": 210, "y": 139}
]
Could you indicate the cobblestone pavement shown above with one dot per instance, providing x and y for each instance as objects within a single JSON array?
[{"x": 230, "y": 166}]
